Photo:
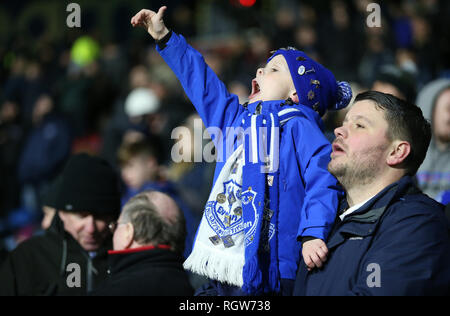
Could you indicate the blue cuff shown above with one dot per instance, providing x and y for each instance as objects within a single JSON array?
[{"x": 318, "y": 232}]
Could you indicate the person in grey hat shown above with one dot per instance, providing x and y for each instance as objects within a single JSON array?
[
  {"x": 71, "y": 257},
  {"x": 434, "y": 175}
]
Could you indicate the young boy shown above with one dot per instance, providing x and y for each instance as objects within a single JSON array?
[
  {"x": 140, "y": 168},
  {"x": 257, "y": 211}
]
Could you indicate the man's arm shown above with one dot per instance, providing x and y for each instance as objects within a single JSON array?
[
  {"x": 409, "y": 256},
  {"x": 215, "y": 105}
]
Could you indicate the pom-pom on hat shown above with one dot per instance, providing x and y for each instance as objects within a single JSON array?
[
  {"x": 88, "y": 184},
  {"x": 315, "y": 85}
]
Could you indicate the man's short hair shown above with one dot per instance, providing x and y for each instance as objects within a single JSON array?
[
  {"x": 152, "y": 228},
  {"x": 144, "y": 147},
  {"x": 405, "y": 122}
]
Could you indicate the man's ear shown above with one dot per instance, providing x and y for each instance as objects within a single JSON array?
[
  {"x": 294, "y": 97},
  {"x": 129, "y": 235},
  {"x": 399, "y": 151}
]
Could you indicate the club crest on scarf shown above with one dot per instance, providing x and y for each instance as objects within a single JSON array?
[{"x": 224, "y": 215}]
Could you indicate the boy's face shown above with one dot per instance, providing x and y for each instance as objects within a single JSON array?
[
  {"x": 139, "y": 170},
  {"x": 273, "y": 82}
]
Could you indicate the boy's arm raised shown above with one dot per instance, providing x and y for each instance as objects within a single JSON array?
[{"x": 215, "y": 105}]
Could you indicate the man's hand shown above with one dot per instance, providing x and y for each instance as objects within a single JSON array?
[
  {"x": 152, "y": 21},
  {"x": 314, "y": 253}
]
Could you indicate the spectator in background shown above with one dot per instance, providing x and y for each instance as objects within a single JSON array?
[
  {"x": 26, "y": 85},
  {"x": 88, "y": 200},
  {"x": 141, "y": 106},
  {"x": 46, "y": 148},
  {"x": 426, "y": 55},
  {"x": 11, "y": 142},
  {"x": 139, "y": 162},
  {"x": 119, "y": 123},
  {"x": 337, "y": 31},
  {"x": 306, "y": 40},
  {"x": 193, "y": 179},
  {"x": 141, "y": 170},
  {"x": 434, "y": 174},
  {"x": 148, "y": 243},
  {"x": 74, "y": 89},
  {"x": 393, "y": 80},
  {"x": 285, "y": 20},
  {"x": 377, "y": 53}
]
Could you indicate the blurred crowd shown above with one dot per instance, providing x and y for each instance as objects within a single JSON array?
[{"x": 116, "y": 98}]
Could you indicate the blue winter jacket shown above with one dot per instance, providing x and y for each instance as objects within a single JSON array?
[
  {"x": 308, "y": 190},
  {"x": 395, "y": 244}
]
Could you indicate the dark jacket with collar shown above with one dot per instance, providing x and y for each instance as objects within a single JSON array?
[
  {"x": 42, "y": 266},
  {"x": 146, "y": 271},
  {"x": 395, "y": 244}
]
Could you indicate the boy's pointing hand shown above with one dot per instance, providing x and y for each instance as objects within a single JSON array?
[{"x": 152, "y": 21}]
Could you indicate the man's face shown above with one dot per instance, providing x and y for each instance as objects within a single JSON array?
[
  {"x": 138, "y": 170},
  {"x": 441, "y": 117},
  {"x": 361, "y": 146},
  {"x": 273, "y": 82},
  {"x": 88, "y": 230}
]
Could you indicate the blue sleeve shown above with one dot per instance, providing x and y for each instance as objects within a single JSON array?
[
  {"x": 399, "y": 264},
  {"x": 320, "y": 203},
  {"x": 215, "y": 105}
]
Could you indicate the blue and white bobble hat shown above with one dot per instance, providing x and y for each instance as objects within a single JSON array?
[{"x": 315, "y": 85}]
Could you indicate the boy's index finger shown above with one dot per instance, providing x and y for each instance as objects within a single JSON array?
[{"x": 161, "y": 11}]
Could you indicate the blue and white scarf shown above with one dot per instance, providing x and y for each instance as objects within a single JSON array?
[{"x": 237, "y": 239}]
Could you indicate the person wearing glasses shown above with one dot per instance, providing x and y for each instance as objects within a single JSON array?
[{"x": 148, "y": 245}]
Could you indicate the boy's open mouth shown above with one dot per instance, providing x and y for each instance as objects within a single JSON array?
[{"x": 255, "y": 89}]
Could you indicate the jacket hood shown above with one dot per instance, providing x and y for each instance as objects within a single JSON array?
[{"x": 427, "y": 96}]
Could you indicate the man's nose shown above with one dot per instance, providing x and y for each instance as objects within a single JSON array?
[
  {"x": 89, "y": 224},
  {"x": 340, "y": 131}
]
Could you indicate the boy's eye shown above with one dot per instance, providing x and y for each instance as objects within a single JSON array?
[{"x": 359, "y": 126}]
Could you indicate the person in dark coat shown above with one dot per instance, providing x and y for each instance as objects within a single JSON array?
[
  {"x": 388, "y": 238},
  {"x": 46, "y": 149},
  {"x": 148, "y": 246},
  {"x": 71, "y": 257}
]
